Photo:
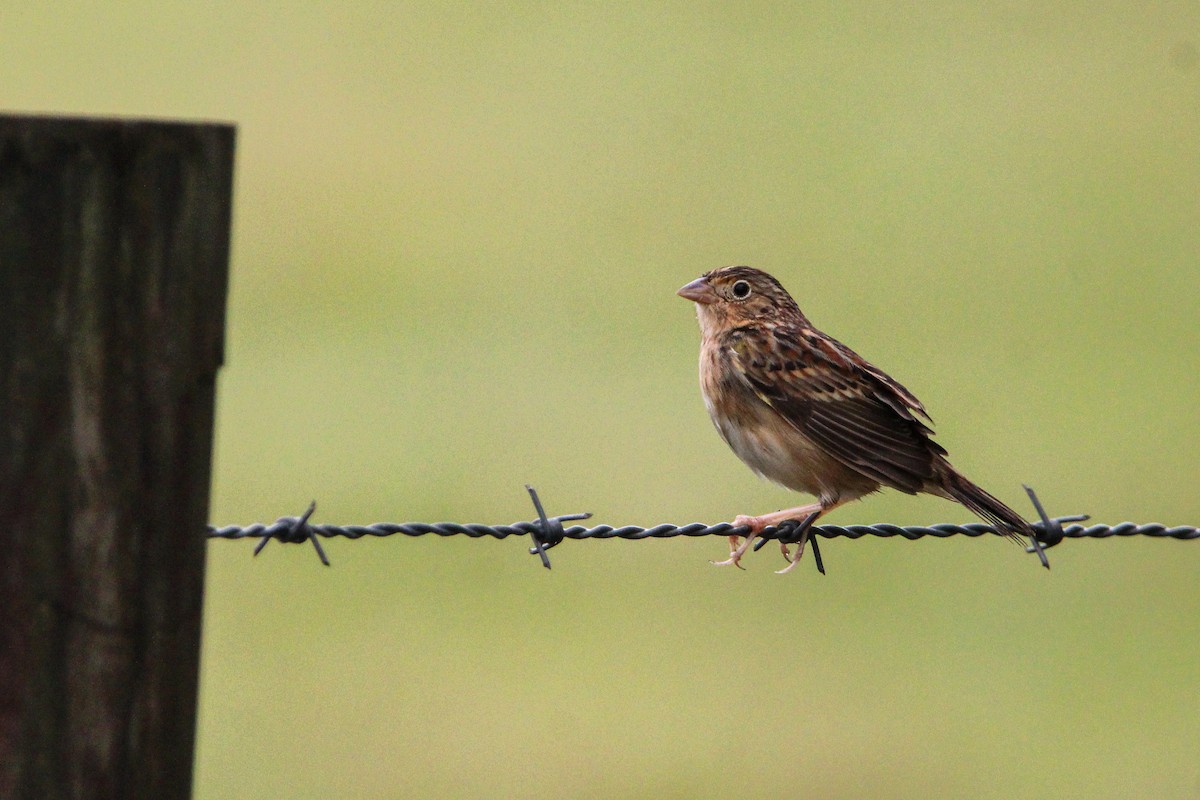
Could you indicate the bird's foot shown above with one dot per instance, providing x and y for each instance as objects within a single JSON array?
[
  {"x": 803, "y": 530},
  {"x": 737, "y": 549},
  {"x": 792, "y": 560}
]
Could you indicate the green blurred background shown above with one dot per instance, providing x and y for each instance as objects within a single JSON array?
[{"x": 458, "y": 233}]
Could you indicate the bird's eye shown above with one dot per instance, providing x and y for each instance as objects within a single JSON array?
[{"x": 741, "y": 290}]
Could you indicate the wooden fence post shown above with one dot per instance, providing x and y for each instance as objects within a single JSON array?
[{"x": 114, "y": 244}]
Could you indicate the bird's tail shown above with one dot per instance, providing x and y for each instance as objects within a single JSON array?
[{"x": 1006, "y": 521}]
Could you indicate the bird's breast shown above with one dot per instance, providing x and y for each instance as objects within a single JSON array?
[{"x": 766, "y": 442}]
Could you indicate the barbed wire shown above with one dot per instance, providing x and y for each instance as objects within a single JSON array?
[{"x": 547, "y": 532}]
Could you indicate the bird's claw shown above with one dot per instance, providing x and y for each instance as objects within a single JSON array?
[
  {"x": 737, "y": 549},
  {"x": 792, "y": 561}
]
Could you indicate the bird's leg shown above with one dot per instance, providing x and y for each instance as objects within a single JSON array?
[{"x": 756, "y": 524}]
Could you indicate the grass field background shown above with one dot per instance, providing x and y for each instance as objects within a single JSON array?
[{"x": 458, "y": 232}]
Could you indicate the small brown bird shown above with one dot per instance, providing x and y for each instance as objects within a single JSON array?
[{"x": 805, "y": 411}]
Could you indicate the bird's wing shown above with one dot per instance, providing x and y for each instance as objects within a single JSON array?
[{"x": 848, "y": 407}]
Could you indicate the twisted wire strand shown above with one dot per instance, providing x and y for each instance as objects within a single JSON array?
[
  {"x": 286, "y": 530},
  {"x": 546, "y": 532}
]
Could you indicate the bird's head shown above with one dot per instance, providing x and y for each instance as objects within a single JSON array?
[{"x": 732, "y": 296}]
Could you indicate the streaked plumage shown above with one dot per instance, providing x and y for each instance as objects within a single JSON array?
[{"x": 806, "y": 411}]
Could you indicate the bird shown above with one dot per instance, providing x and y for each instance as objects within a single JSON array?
[{"x": 805, "y": 411}]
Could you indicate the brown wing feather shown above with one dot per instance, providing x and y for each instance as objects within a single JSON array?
[{"x": 851, "y": 409}]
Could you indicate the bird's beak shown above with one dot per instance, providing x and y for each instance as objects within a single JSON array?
[{"x": 699, "y": 291}]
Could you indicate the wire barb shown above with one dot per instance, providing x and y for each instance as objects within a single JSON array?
[
  {"x": 551, "y": 532},
  {"x": 1050, "y": 529},
  {"x": 294, "y": 530},
  {"x": 789, "y": 532}
]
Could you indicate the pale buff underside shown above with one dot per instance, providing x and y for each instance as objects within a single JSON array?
[{"x": 768, "y": 444}]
